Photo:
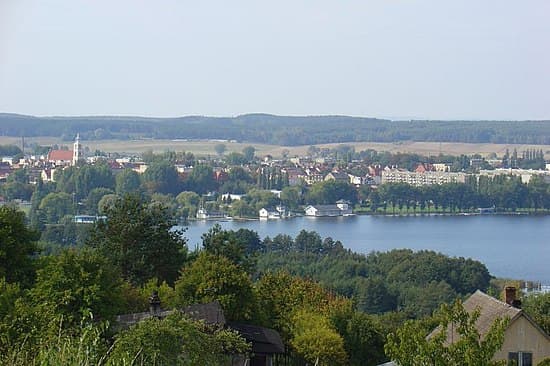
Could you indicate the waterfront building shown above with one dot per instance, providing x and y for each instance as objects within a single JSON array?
[
  {"x": 341, "y": 208},
  {"x": 394, "y": 175},
  {"x": 524, "y": 174}
]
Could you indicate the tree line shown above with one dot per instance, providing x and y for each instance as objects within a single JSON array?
[
  {"x": 503, "y": 192},
  {"x": 278, "y": 130}
]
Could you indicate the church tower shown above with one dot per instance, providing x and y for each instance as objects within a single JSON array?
[{"x": 77, "y": 150}]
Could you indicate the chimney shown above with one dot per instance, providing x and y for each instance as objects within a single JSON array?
[
  {"x": 154, "y": 304},
  {"x": 510, "y": 297}
]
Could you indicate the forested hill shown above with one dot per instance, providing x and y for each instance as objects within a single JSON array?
[{"x": 279, "y": 130}]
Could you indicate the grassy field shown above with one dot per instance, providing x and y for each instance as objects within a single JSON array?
[{"x": 203, "y": 148}]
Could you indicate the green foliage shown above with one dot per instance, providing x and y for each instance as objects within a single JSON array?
[
  {"x": 282, "y": 130},
  {"x": 216, "y": 278},
  {"x": 188, "y": 203},
  {"x": 505, "y": 193},
  {"x": 161, "y": 177},
  {"x": 107, "y": 203},
  {"x": 9, "y": 293},
  {"x": 166, "y": 201},
  {"x": 127, "y": 181},
  {"x": 89, "y": 177},
  {"x": 54, "y": 206},
  {"x": 75, "y": 284},
  {"x": 291, "y": 197},
  {"x": 411, "y": 346},
  {"x": 94, "y": 197},
  {"x": 538, "y": 307},
  {"x": 15, "y": 189},
  {"x": 235, "y": 158},
  {"x": 249, "y": 152},
  {"x": 175, "y": 340},
  {"x": 237, "y": 246},
  {"x": 201, "y": 180},
  {"x": 66, "y": 234},
  {"x": 17, "y": 245},
  {"x": 86, "y": 348},
  {"x": 9, "y": 150},
  {"x": 364, "y": 340},
  {"x": 315, "y": 339},
  {"x": 328, "y": 192},
  {"x": 164, "y": 290},
  {"x": 416, "y": 282},
  {"x": 220, "y": 149},
  {"x": 280, "y": 295},
  {"x": 138, "y": 239}
]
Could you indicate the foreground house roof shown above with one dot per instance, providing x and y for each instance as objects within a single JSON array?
[{"x": 264, "y": 341}]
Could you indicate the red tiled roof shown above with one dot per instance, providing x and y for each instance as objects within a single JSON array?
[{"x": 60, "y": 155}]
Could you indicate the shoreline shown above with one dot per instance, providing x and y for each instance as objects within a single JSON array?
[{"x": 419, "y": 214}]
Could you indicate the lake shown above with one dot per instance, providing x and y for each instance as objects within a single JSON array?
[{"x": 510, "y": 246}]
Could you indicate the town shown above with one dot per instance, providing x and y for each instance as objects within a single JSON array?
[{"x": 326, "y": 182}]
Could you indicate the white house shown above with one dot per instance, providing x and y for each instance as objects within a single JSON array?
[
  {"x": 266, "y": 214},
  {"x": 341, "y": 208}
]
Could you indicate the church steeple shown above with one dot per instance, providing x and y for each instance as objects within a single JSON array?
[{"x": 77, "y": 150}]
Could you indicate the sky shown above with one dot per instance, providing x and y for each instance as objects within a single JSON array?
[{"x": 466, "y": 59}]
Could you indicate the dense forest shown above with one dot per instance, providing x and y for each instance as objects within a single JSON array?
[{"x": 278, "y": 130}]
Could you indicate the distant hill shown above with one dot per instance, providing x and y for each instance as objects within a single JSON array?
[{"x": 278, "y": 130}]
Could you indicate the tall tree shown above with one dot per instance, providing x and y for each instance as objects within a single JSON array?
[
  {"x": 17, "y": 245},
  {"x": 138, "y": 238},
  {"x": 161, "y": 177},
  {"x": 216, "y": 278},
  {"x": 77, "y": 284},
  {"x": 249, "y": 152},
  {"x": 127, "y": 181}
]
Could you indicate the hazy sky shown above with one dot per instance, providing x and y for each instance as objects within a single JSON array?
[{"x": 388, "y": 58}]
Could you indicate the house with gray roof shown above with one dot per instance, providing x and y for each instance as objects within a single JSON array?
[{"x": 525, "y": 343}]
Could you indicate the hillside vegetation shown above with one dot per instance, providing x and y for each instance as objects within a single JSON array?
[{"x": 278, "y": 130}]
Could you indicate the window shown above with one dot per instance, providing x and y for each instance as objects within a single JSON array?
[{"x": 520, "y": 359}]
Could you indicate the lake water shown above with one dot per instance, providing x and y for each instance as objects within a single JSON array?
[{"x": 510, "y": 246}]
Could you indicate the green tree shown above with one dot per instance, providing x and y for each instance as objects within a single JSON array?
[
  {"x": 127, "y": 181},
  {"x": 220, "y": 149},
  {"x": 106, "y": 203},
  {"x": 19, "y": 176},
  {"x": 188, "y": 203},
  {"x": 161, "y": 177},
  {"x": 17, "y": 246},
  {"x": 411, "y": 346},
  {"x": 364, "y": 341},
  {"x": 249, "y": 152},
  {"x": 328, "y": 192},
  {"x": 216, "y": 278},
  {"x": 56, "y": 205},
  {"x": 167, "y": 201},
  {"x": 201, "y": 179},
  {"x": 237, "y": 246},
  {"x": 538, "y": 307},
  {"x": 88, "y": 177},
  {"x": 315, "y": 339},
  {"x": 176, "y": 340},
  {"x": 138, "y": 238},
  {"x": 16, "y": 190},
  {"x": 94, "y": 197},
  {"x": 291, "y": 197},
  {"x": 76, "y": 284},
  {"x": 280, "y": 295},
  {"x": 235, "y": 158}
]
